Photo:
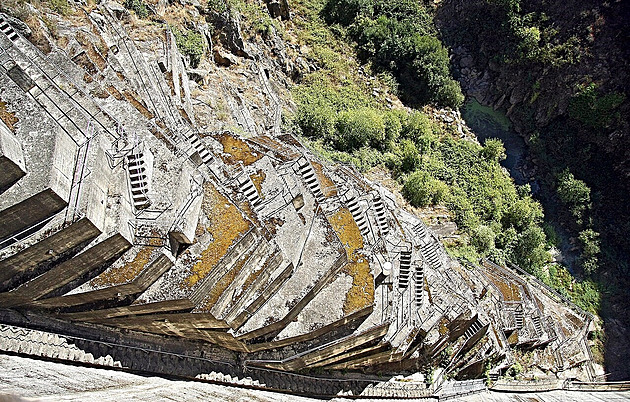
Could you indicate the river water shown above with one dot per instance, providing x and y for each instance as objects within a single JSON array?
[{"x": 488, "y": 123}]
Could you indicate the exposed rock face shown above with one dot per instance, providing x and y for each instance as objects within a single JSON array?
[
  {"x": 228, "y": 30},
  {"x": 535, "y": 94},
  {"x": 278, "y": 9}
]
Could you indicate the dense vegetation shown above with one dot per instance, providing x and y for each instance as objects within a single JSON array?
[
  {"x": 435, "y": 166},
  {"x": 399, "y": 36},
  {"x": 562, "y": 67}
]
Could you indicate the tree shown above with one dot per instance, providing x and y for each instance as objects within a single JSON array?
[
  {"x": 421, "y": 190},
  {"x": 574, "y": 193},
  {"x": 589, "y": 242}
]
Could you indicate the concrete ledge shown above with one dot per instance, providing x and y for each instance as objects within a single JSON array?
[
  {"x": 29, "y": 212},
  {"x": 174, "y": 321},
  {"x": 34, "y": 260},
  {"x": 357, "y": 315},
  {"x": 71, "y": 273},
  {"x": 169, "y": 306},
  {"x": 334, "y": 348},
  {"x": 113, "y": 296}
]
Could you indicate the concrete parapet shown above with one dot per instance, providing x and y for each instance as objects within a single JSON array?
[{"x": 12, "y": 163}]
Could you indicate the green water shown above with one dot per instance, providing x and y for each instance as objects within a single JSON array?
[{"x": 489, "y": 123}]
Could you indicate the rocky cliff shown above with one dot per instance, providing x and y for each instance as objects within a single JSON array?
[{"x": 559, "y": 72}]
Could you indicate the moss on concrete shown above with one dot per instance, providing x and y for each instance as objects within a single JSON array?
[
  {"x": 236, "y": 150},
  {"x": 361, "y": 294},
  {"x": 226, "y": 226}
]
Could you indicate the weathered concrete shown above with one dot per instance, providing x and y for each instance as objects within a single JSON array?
[
  {"x": 71, "y": 273},
  {"x": 20, "y": 217},
  {"x": 11, "y": 158},
  {"x": 35, "y": 259}
]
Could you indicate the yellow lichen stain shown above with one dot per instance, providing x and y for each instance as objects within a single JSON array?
[
  {"x": 226, "y": 225},
  {"x": 125, "y": 273},
  {"x": 513, "y": 339},
  {"x": 443, "y": 326},
  {"x": 258, "y": 178},
  {"x": 115, "y": 93},
  {"x": 7, "y": 117},
  {"x": 223, "y": 283},
  {"x": 361, "y": 293},
  {"x": 509, "y": 290},
  {"x": 329, "y": 189},
  {"x": 236, "y": 150}
]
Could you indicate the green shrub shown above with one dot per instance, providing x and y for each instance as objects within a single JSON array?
[
  {"x": 422, "y": 190},
  {"x": 359, "y": 127},
  {"x": 137, "y": 6},
  {"x": 317, "y": 120},
  {"x": 482, "y": 237},
  {"x": 522, "y": 214},
  {"x": 190, "y": 43},
  {"x": 407, "y": 157},
  {"x": 493, "y": 149},
  {"x": 398, "y": 36},
  {"x": 417, "y": 127},
  {"x": 393, "y": 128},
  {"x": 574, "y": 193},
  {"x": 596, "y": 111}
]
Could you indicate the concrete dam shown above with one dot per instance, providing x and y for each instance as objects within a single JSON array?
[{"x": 132, "y": 239}]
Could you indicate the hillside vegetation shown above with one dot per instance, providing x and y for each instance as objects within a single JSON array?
[{"x": 347, "y": 121}]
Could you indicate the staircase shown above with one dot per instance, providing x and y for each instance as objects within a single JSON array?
[
  {"x": 419, "y": 284},
  {"x": 430, "y": 254},
  {"x": 381, "y": 218},
  {"x": 420, "y": 230},
  {"x": 537, "y": 325},
  {"x": 8, "y": 30},
  {"x": 358, "y": 216},
  {"x": 138, "y": 179},
  {"x": 206, "y": 157},
  {"x": 518, "y": 318},
  {"x": 405, "y": 266},
  {"x": 308, "y": 173},
  {"x": 249, "y": 190},
  {"x": 472, "y": 330}
]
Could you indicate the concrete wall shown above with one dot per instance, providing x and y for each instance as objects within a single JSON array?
[
  {"x": 11, "y": 158},
  {"x": 36, "y": 259}
]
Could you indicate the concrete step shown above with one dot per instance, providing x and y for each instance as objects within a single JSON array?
[
  {"x": 381, "y": 217},
  {"x": 235, "y": 288},
  {"x": 404, "y": 269},
  {"x": 8, "y": 30}
]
